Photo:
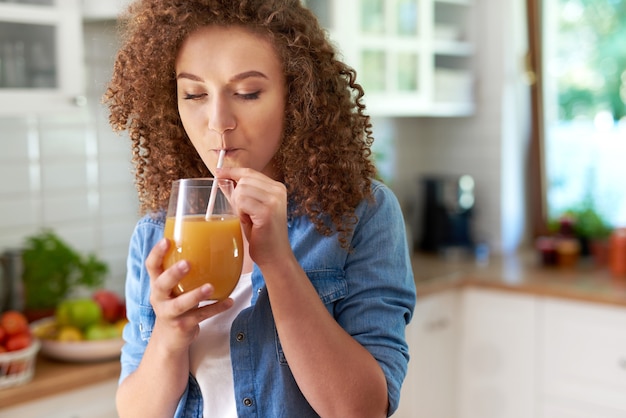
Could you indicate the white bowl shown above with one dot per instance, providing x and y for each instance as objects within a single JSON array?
[{"x": 80, "y": 351}]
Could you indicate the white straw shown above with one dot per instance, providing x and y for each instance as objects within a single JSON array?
[{"x": 209, "y": 209}]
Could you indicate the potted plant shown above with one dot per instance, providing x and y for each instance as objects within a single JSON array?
[
  {"x": 52, "y": 270},
  {"x": 591, "y": 229}
]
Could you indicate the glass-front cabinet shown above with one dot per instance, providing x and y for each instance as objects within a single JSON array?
[
  {"x": 41, "y": 56},
  {"x": 413, "y": 57}
]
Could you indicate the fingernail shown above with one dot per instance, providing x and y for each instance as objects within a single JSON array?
[
  {"x": 182, "y": 266},
  {"x": 206, "y": 289},
  {"x": 163, "y": 243}
]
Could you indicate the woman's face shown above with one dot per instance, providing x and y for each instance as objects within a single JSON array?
[{"x": 231, "y": 96}]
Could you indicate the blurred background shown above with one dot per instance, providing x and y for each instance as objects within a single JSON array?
[{"x": 499, "y": 124}]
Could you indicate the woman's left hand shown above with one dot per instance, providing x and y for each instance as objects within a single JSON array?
[{"x": 261, "y": 204}]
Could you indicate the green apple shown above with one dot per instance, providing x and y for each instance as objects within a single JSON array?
[
  {"x": 100, "y": 331},
  {"x": 79, "y": 313}
]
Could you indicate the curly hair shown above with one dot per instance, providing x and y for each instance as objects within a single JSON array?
[{"x": 324, "y": 156}]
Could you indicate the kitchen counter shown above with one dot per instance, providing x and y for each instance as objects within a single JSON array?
[
  {"x": 433, "y": 273},
  {"x": 519, "y": 273},
  {"x": 53, "y": 377}
]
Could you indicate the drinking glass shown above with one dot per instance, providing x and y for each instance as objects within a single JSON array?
[{"x": 211, "y": 242}]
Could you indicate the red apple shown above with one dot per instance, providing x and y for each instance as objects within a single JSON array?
[
  {"x": 122, "y": 311},
  {"x": 110, "y": 303}
]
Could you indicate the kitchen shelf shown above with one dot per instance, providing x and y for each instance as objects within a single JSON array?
[{"x": 41, "y": 56}]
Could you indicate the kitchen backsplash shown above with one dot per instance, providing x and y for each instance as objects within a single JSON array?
[{"x": 70, "y": 171}]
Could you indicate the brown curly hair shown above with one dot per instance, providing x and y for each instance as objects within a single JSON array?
[{"x": 325, "y": 155}]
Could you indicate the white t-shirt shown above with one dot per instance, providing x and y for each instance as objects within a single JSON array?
[{"x": 210, "y": 355}]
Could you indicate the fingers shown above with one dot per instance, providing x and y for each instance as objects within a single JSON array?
[
  {"x": 255, "y": 187},
  {"x": 162, "y": 281},
  {"x": 154, "y": 261},
  {"x": 213, "y": 309}
]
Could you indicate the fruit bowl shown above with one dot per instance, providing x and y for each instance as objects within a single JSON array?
[{"x": 78, "y": 351}]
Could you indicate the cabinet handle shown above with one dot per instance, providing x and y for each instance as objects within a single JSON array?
[
  {"x": 437, "y": 324},
  {"x": 79, "y": 101}
]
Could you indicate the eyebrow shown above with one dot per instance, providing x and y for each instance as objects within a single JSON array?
[{"x": 236, "y": 77}]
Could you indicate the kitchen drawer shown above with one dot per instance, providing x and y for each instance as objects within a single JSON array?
[
  {"x": 568, "y": 409},
  {"x": 429, "y": 389},
  {"x": 584, "y": 352},
  {"x": 497, "y": 372}
]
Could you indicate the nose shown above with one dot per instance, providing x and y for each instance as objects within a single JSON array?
[{"x": 221, "y": 116}]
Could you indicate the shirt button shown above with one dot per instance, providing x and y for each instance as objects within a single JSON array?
[
  {"x": 247, "y": 402},
  {"x": 240, "y": 336}
]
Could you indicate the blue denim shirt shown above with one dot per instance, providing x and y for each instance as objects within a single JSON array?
[{"x": 369, "y": 291}]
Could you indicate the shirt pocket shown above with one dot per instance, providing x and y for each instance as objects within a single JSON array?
[
  {"x": 331, "y": 286},
  {"x": 147, "y": 317}
]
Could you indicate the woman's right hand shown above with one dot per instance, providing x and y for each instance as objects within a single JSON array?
[{"x": 177, "y": 317}]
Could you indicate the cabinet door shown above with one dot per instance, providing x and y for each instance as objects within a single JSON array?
[
  {"x": 412, "y": 57},
  {"x": 430, "y": 386},
  {"x": 559, "y": 409},
  {"x": 497, "y": 366},
  {"x": 584, "y": 351},
  {"x": 41, "y": 56},
  {"x": 452, "y": 51}
]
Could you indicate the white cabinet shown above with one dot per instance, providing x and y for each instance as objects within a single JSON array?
[
  {"x": 93, "y": 401},
  {"x": 41, "y": 56},
  {"x": 430, "y": 386},
  {"x": 497, "y": 362},
  {"x": 413, "y": 57},
  {"x": 572, "y": 409},
  {"x": 584, "y": 359},
  {"x": 103, "y": 9}
]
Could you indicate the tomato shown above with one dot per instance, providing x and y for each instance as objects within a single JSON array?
[
  {"x": 3, "y": 335},
  {"x": 14, "y": 323},
  {"x": 18, "y": 342}
]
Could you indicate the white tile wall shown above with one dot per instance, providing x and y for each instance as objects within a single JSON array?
[
  {"x": 486, "y": 145},
  {"x": 70, "y": 172}
]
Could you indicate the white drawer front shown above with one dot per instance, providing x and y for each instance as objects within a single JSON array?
[{"x": 585, "y": 353}]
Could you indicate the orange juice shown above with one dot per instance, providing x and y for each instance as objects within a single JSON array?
[{"x": 213, "y": 248}]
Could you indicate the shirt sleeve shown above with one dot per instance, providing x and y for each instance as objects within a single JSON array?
[
  {"x": 141, "y": 317},
  {"x": 382, "y": 293}
]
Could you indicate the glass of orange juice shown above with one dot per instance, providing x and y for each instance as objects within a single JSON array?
[{"x": 211, "y": 242}]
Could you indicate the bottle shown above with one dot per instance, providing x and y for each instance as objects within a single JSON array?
[
  {"x": 11, "y": 285},
  {"x": 617, "y": 253}
]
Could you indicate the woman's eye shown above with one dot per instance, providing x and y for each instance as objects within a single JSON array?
[
  {"x": 191, "y": 96},
  {"x": 249, "y": 96}
]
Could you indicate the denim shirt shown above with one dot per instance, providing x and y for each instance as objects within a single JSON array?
[{"x": 369, "y": 291}]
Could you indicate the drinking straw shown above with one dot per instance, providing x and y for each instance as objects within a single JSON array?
[{"x": 209, "y": 209}]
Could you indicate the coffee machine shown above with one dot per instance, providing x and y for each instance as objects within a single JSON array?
[{"x": 447, "y": 206}]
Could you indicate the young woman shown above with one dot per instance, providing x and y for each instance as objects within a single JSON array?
[{"x": 316, "y": 324}]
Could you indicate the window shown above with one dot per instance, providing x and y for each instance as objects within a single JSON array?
[{"x": 579, "y": 112}]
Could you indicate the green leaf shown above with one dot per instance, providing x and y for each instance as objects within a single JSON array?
[{"x": 52, "y": 270}]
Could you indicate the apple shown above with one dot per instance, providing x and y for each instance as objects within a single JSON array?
[
  {"x": 102, "y": 331},
  {"x": 80, "y": 312},
  {"x": 110, "y": 303}
]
